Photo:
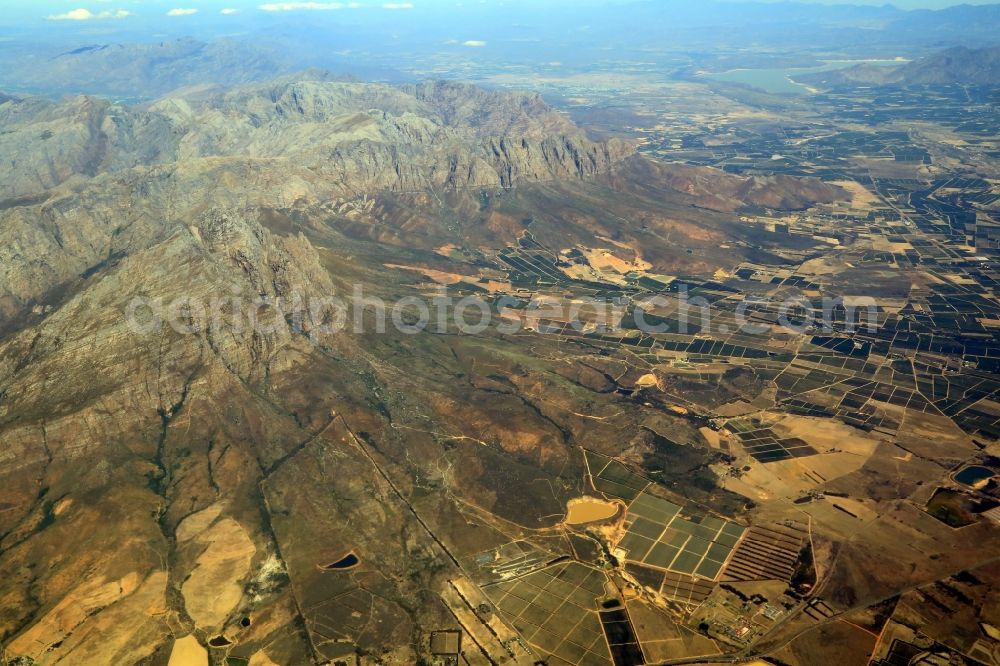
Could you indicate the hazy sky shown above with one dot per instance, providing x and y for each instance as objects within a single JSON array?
[{"x": 192, "y": 10}]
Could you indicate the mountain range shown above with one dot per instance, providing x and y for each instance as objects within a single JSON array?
[
  {"x": 208, "y": 478},
  {"x": 958, "y": 65},
  {"x": 120, "y": 60}
]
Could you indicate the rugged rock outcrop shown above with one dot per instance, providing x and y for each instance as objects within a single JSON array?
[
  {"x": 366, "y": 137},
  {"x": 108, "y": 180}
]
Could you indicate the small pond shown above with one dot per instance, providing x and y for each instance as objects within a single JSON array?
[
  {"x": 348, "y": 561},
  {"x": 973, "y": 475}
]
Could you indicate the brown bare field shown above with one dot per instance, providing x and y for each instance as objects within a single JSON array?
[
  {"x": 934, "y": 437},
  {"x": 711, "y": 436},
  {"x": 843, "y": 450},
  {"x": 661, "y": 637},
  {"x": 832, "y": 643},
  {"x": 198, "y": 522},
  {"x": 861, "y": 197},
  {"x": 187, "y": 651},
  {"x": 260, "y": 658},
  {"x": 215, "y": 586},
  {"x": 88, "y": 623}
]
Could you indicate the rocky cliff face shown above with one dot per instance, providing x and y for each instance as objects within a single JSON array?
[
  {"x": 366, "y": 137},
  {"x": 264, "y": 144}
]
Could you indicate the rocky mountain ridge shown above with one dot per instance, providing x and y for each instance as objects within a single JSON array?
[
  {"x": 369, "y": 137},
  {"x": 75, "y": 170}
]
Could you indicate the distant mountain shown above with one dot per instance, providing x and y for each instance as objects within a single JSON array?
[
  {"x": 884, "y": 29},
  {"x": 148, "y": 70},
  {"x": 974, "y": 26},
  {"x": 412, "y": 45},
  {"x": 956, "y": 65},
  {"x": 858, "y": 75}
]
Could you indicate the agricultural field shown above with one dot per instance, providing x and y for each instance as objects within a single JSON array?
[{"x": 735, "y": 398}]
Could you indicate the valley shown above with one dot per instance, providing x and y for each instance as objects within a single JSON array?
[{"x": 301, "y": 369}]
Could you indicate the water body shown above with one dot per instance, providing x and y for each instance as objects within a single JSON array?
[
  {"x": 588, "y": 510},
  {"x": 780, "y": 80},
  {"x": 974, "y": 475},
  {"x": 348, "y": 561},
  {"x": 771, "y": 80}
]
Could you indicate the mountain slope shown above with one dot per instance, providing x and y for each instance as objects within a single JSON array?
[
  {"x": 959, "y": 65},
  {"x": 326, "y": 139},
  {"x": 190, "y": 478},
  {"x": 367, "y": 136}
]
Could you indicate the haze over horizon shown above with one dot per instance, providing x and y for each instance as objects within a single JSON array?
[{"x": 108, "y": 11}]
